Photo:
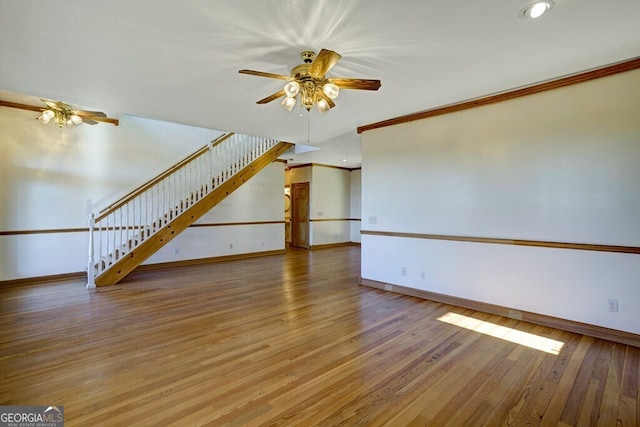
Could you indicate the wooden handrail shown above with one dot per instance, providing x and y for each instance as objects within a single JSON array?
[{"x": 144, "y": 187}]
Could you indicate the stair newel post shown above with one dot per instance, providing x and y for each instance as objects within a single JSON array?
[{"x": 91, "y": 273}]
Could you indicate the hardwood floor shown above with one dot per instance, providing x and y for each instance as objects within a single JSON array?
[{"x": 294, "y": 340}]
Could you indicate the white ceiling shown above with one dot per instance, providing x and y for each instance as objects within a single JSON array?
[{"x": 178, "y": 60}]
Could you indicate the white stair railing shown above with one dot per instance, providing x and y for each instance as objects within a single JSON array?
[{"x": 121, "y": 227}]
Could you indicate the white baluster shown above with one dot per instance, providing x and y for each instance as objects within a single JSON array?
[
  {"x": 216, "y": 165},
  {"x": 234, "y": 157},
  {"x": 254, "y": 149},
  {"x": 157, "y": 210},
  {"x": 243, "y": 155},
  {"x": 109, "y": 249},
  {"x": 163, "y": 200},
  {"x": 91, "y": 274},
  {"x": 132, "y": 222},
  {"x": 140, "y": 221},
  {"x": 127, "y": 231},
  {"x": 146, "y": 212},
  {"x": 200, "y": 179},
  {"x": 174, "y": 196},
  {"x": 100, "y": 253},
  {"x": 120, "y": 232}
]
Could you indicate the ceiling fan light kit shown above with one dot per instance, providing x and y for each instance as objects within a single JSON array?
[
  {"x": 63, "y": 114},
  {"x": 46, "y": 116},
  {"x": 61, "y": 118},
  {"x": 288, "y": 103},
  {"x": 331, "y": 90},
  {"x": 308, "y": 82},
  {"x": 323, "y": 105},
  {"x": 291, "y": 89}
]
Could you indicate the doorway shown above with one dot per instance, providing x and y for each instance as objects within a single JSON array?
[{"x": 300, "y": 215}]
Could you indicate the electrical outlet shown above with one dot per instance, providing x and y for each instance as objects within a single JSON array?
[
  {"x": 373, "y": 220},
  {"x": 422, "y": 275},
  {"x": 176, "y": 251},
  {"x": 403, "y": 271},
  {"x": 612, "y": 306},
  {"x": 230, "y": 245}
]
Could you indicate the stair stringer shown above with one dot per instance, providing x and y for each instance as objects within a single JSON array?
[{"x": 152, "y": 244}]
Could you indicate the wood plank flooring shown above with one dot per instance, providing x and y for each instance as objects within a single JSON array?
[{"x": 293, "y": 340}]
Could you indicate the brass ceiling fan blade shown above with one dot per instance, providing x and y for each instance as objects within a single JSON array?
[
  {"x": 63, "y": 106},
  {"x": 263, "y": 74},
  {"x": 84, "y": 113},
  {"x": 95, "y": 117},
  {"x": 323, "y": 62},
  {"x": 101, "y": 120},
  {"x": 362, "y": 84},
  {"x": 51, "y": 104},
  {"x": 20, "y": 106},
  {"x": 88, "y": 121},
  {"x": 270, "y": 98}
]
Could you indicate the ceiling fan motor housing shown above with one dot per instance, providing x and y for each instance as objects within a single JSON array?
[
  {"x": 301, "y": 71},
  {"x": 308, "y": 84},
  {"x": 308, "y": 56}
]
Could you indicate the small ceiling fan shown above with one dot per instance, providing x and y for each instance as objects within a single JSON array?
[
  {"x": 62, "y": 114},
  {"x": 309, "y": 80}
]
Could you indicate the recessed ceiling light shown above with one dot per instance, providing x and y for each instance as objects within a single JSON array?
[{"x": 536, "y": 10}]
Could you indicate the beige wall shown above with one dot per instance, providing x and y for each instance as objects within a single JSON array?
[
  {"x": 52, "y": 179},
  {"x": 558, "y": 166},
  {"x": 334, "y": 200},
  {"x": 356, "y": 197}
]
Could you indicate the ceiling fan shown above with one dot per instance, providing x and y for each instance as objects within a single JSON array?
[
  {"x": 62, "y": 114},
  {"x": 310, "y": 82}
]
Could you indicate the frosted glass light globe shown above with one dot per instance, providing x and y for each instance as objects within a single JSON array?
[
  {"x": 291, "y": 89},
  {"x": 331, "y": 90}
]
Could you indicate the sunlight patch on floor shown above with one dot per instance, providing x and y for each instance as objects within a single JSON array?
[{"x": 513, "y": 335}]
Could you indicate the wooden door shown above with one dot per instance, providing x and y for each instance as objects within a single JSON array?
[{"x": 300, "y": 215}]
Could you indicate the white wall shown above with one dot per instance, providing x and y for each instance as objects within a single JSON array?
[
  {"x": 557, "y": 166},
  {"x": 355, "y": 211},
  {"x": 330, "y": 200},
  {"x": 298, "y": 174},
  {"x": 51, "y": 179},
  {"x": 334, "y": 199},
  {"x": 258, "y": 200}
]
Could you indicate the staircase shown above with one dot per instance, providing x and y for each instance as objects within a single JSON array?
[{"x": 132, "y": 229}]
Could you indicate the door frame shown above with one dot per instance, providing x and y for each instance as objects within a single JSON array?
[{"x": 294, "y": 220}]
